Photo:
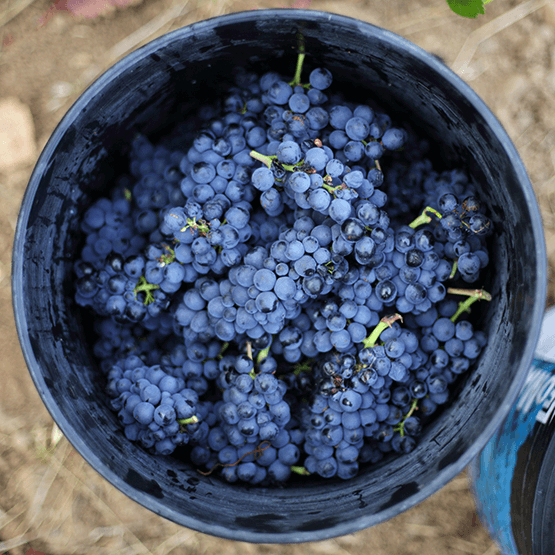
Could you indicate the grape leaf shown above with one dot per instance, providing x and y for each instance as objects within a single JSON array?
[{"x": 467, "y": 8}]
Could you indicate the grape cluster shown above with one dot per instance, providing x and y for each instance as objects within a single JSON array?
[
  {"x": 153, "y": 404},
  {"x": 276, "y": 284}
]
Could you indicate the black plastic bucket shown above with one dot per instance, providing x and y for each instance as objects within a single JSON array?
[{"x": 164, "y": 82}]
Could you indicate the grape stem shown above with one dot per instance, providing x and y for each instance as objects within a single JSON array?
[
  {"x": 301, "y": 470},
  {"x": 297, "y": 79},
  {"x": 453, "y": 270},
  {"x": 302, "y": 367},
  {"x": 222, "y": 351},
  {"x": 300, "y": 60},
  {"x": 259, "y": 358},
  {"x": 329, "y": 265},
  {"x": 262, "y": 354},
  {"x": 201, "y": 226},
  {"x": 331, "y": 189},
  {"x": 424, "y": 218},
  {"x": 249, "y": 349},
  {"x": 249, "y": 354},
  {"x": 473, "y": 296},
  {"x": 167, "y": 258},
  {"x": 147, "y": 288},
  {"x": 401, "y": 426},
  {"x": 185, "y": 421},
  {"x": 385, "y": 322},
  {"x": 267, "y": 161}
]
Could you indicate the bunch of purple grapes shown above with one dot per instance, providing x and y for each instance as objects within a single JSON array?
[{"x": 276, "y": 284}]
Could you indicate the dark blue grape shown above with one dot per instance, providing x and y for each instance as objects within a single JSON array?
[{"x": 320, "y": 78}]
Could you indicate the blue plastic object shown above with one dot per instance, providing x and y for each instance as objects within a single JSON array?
[{"x": 513, "y": 478}]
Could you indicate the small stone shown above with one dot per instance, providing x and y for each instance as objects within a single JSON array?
[
  {"x": 61, "y": 89},
  {"x": 17, "y": 134}
]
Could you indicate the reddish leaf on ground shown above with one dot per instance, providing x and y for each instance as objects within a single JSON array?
[
  {"x": 7, "y": 40},
  {"x": 88, "y": 9}
]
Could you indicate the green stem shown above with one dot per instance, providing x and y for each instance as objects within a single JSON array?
[
  {"x": 262, "y": 354},
  {"x": 302, "y": 367},
  {"x": 222, "y": 351},
  {"x": 185, "y": 421},
  {"x": 401, "y": 426},
  {"x": 385, "y": 322},
  {"x": 192, "y": 224},
  {"x": 300, "y": 60},
  {"x": 473, "y": 296},
  {"x": 424, "y": 218},
  {"x": 331, "y": 189},
  {"x": 297, "y": 79},
  {"x": 453, "y": 270},
  {"x": 300, "y": 470},
  {"x": 146, "y": 287},
  {"x": 249, "y": 354},
  {"x": 167, "y": 258},
  {"x": 267, "y": 161}
]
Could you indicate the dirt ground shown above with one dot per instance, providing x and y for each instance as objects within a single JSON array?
[{"x": 51, "y": 501}]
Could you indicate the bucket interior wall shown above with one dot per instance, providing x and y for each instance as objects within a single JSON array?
[{"x": 149, "y": 92}]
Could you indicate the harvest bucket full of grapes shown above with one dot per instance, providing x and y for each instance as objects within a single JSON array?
[{"x": 279, "y": 275}]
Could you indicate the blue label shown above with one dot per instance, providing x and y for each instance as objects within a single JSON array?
[{"x": 492, "y": 471}]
